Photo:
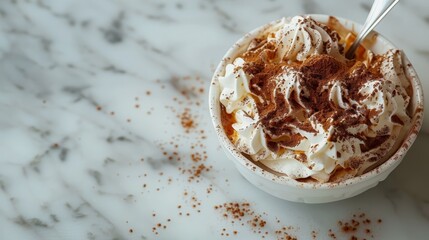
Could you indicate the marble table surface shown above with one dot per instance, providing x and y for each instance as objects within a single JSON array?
[{"x": 105, "y": 131}]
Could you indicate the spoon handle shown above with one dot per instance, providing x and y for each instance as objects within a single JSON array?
[{"x": 379, "y": 9}]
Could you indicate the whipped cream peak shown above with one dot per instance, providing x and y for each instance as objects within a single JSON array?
[
  {"x": 288, "y": 85},
  {"x": 337, "y": 94},
  {"x": 301, "y": 37},
  {"x": 234, "y": 85}
]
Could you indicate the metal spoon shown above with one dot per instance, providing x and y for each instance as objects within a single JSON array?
[{"x": 378, "y": 11}]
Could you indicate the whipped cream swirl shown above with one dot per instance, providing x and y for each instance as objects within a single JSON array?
[{"x": 299, "y": 38}]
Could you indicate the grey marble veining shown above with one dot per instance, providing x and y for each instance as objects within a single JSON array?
[{"x": 93, "y": 99}]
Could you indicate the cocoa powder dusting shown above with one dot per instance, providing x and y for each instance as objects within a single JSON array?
[
  {"x": 241, "y": 213},
  {"x": 186, "y": 120},
  {"x": 279, "y": 117},
  {"x": 315, "y": 73},
  {"x": 359, "y": 227},
  {"x": 183, "y": 154}
]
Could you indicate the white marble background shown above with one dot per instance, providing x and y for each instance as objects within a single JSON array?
[{"x": 90, "y": 93}]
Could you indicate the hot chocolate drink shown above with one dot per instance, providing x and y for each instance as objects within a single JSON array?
[{"x": 294, "y": 103}]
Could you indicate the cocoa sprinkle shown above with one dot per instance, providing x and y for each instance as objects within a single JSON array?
[
  {"x": 186, "y": 120},
  {"x": 242, "y": 213},
  {"x": 357, "y": 225}
]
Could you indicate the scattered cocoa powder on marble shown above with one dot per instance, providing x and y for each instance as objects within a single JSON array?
[
  {"x": 195, "y": 165},
  {"x": 358, "y": 225},
  {"x": 331, "y": 234},
  {"x": 190, "y": 87},
  {"x": 159, "y": 226},
  {"x": 197, "y": 157},
  {"x": 209, "y": 189},
  {"x": 196, "y": 171},
  {"x": 283, "y": 233},
  {"x": 241, "y": 213},
  {"x": 313, "y": 235},
  {"x": 187, "y": 120},
  {"x": 186, "y": 152}
]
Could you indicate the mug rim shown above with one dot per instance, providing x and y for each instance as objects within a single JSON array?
[{"x": 392, "y": 161}]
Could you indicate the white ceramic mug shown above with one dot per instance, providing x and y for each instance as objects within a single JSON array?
[{"x": 290, "y": 189}]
